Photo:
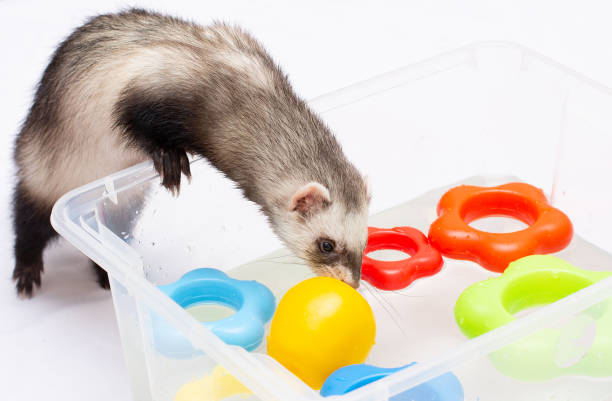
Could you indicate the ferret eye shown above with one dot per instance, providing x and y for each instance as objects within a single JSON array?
[{"x": 326, "y": 245}]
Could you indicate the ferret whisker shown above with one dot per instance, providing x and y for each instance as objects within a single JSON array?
[
  {"x": 276, "y": 258},
  {"x": 406, "y": 295},
  {"x": 390, "y": 309},
  {"x": 401, "y": 292},
  {"x": 277, "y": 265},
  {"x": 289, "y": 255},
  {"x": 281, "y": 263}
]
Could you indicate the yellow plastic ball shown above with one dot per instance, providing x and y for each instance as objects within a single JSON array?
[{"x": 321, "y": 325}]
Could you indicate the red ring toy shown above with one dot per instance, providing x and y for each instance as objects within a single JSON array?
[
  {"x": 550, "y": 230},
  {"x": 425, "y": 260}
]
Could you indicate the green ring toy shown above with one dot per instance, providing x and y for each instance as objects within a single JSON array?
[{"x": 583, "y": 347}]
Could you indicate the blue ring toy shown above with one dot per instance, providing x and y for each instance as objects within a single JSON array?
[
  {"x": 443, "y": 388},
  {"x": 253, "y": 302}
]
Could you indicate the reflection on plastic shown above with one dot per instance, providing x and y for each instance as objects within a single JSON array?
[
  {"x": 583, "y": 347},
  {"x": 217, "y": 386},
  {"x": 575, "y": 341}
]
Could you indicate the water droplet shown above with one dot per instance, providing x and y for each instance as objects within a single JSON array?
[{"x": 152, "y": 243}]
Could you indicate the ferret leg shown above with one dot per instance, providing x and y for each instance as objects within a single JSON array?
[
  {"x": 170, "y": 164},
  {"x": 162, "y": 126},
  {"x": 102, "y": 276},
  {"x": 120, "y": 219},
  {"x": 33, "y": 231}
]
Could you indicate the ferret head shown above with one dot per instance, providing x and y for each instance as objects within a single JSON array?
[{"x": 327, "y": 230}]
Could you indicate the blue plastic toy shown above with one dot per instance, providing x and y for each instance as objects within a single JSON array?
[
  {"x": 253, "y": 302},
  {"x": 443, "y": 388}
]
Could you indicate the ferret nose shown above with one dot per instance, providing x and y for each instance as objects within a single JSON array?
[
  {"x": 354, "y": 268},
  {"x": 356, "y": 273},
  {"x": 353, "y": 281},
  {"x": 347, "y": 278},
  {"x": 354, "y": 284}
]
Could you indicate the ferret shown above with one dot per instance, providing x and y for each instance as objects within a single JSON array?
[{"x": 136, "y": 85}]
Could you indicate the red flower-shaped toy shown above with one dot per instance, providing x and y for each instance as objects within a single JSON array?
[
  {"x": 425, "y": 260},
  {"x": 550, "y": 230}
]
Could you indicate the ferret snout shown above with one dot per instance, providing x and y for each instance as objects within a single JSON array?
[
  {"x": 354, "y": 284},
  {"x": 346, "y": 275},
  {"x": 355, "y": 278}
]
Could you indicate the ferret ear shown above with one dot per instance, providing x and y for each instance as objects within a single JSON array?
[{"x": 309, "y": 199}]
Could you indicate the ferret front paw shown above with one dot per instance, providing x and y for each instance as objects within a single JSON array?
[
  {"x": 170, "y": 164},
  {"x": 26, "y": 278}
]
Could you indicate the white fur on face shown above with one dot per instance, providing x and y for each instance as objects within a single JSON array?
[{"x": 347, "y": 229}]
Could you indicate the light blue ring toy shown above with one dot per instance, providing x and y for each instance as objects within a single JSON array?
[
  {"x": 443, "y": 388},
  {"x": 253, "y": 302}
]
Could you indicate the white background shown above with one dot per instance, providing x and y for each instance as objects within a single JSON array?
[{"x": 63, "y": 344}]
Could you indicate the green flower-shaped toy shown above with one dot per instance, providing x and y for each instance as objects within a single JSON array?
[{"x": 582, "y": 347}]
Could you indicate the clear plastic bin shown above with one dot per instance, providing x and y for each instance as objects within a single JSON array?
[{"x": 485, "y": 114}]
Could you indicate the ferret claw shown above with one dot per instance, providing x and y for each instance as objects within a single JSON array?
[
  {"x": 27, "y": 278},
  {"x": 170, "y": 164}
]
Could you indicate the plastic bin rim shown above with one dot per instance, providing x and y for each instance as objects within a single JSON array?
[{"x": 235, "y": 362}]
